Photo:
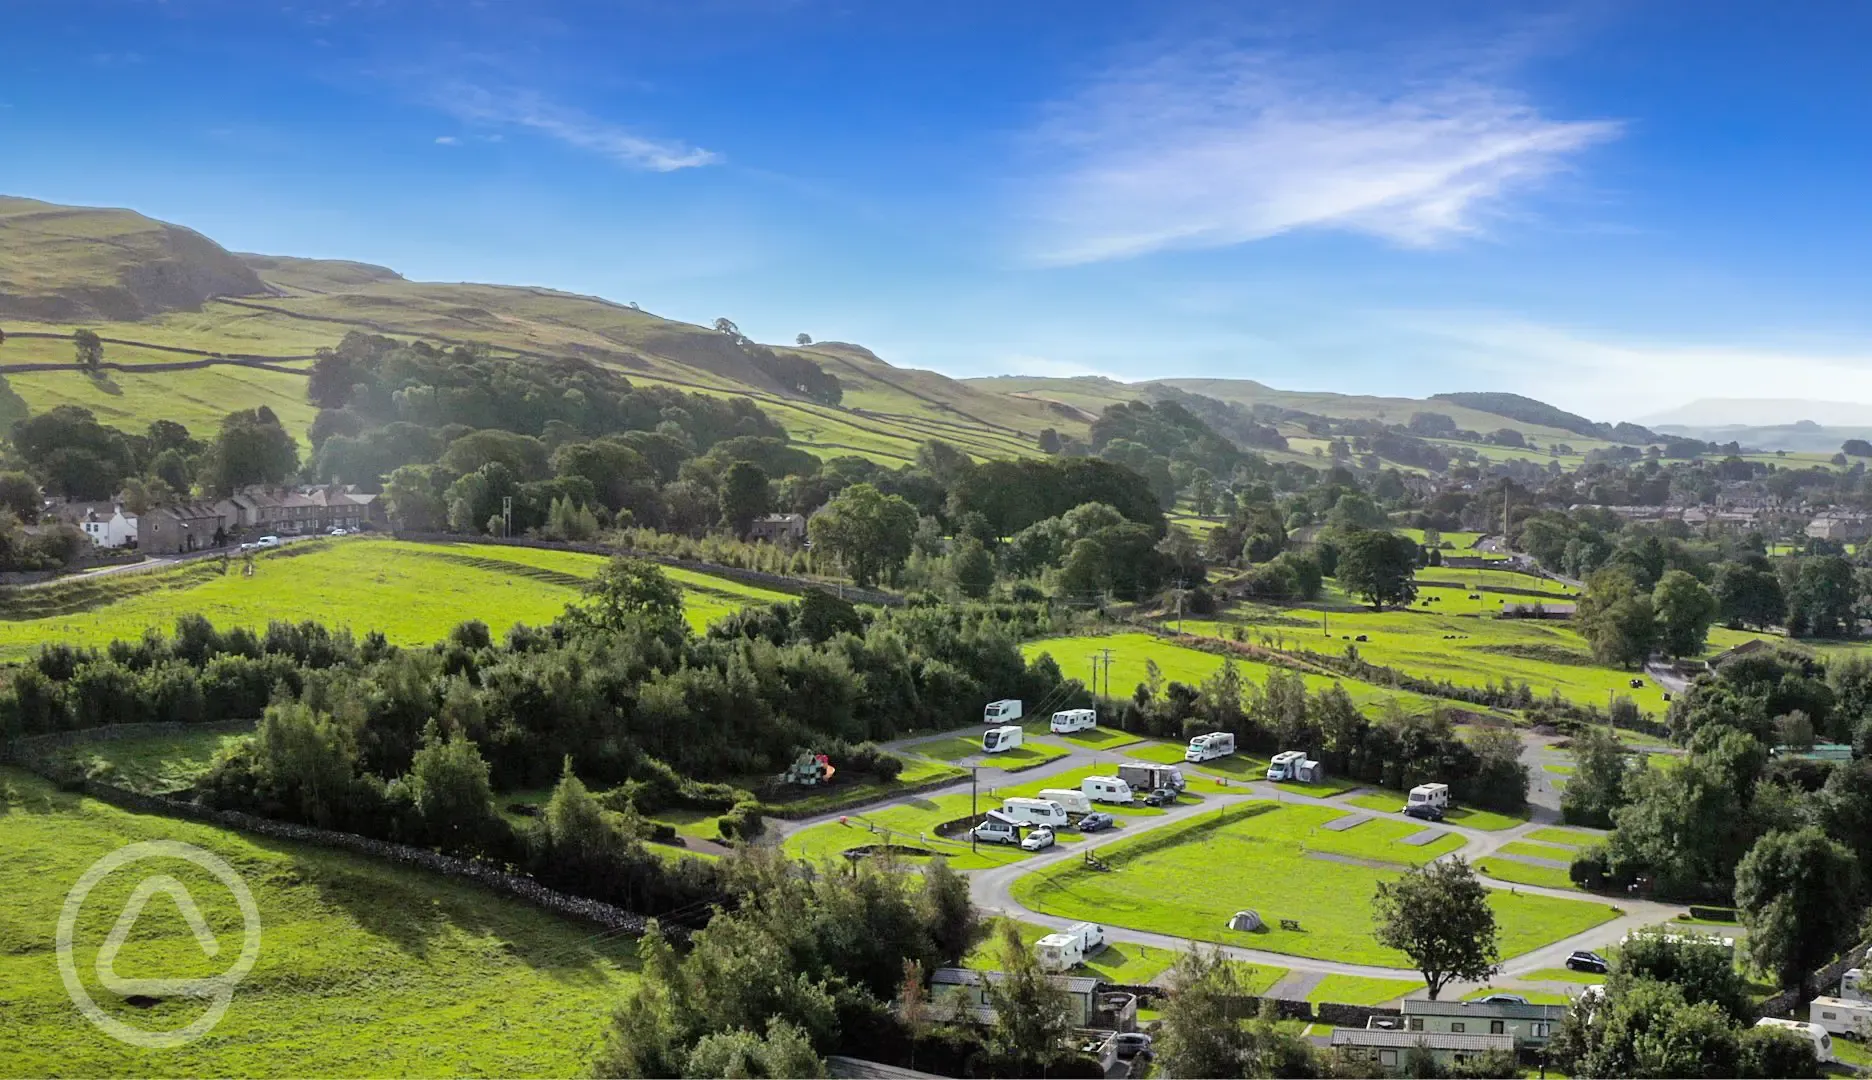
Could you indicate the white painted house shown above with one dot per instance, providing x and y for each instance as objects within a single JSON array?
[{"x": 113, "y": 530}]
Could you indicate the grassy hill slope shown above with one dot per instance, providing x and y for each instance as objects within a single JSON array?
[{"x": 160, "y": 294}]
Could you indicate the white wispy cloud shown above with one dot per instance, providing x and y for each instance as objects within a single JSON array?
[
  {"x": 1609, "y": 376},
  {"x": 1215, "y": 146},
  {"x": 530, "y": 110},
  {"x": 447, "y": 140}
]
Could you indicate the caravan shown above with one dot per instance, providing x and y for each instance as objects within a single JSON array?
[
  {"x": 1067, "y": 721},
  {"x": 1106, "y": 789},
  {"x": 1211, "y": 746},
  {"x": 1295, "y": 765},
  {"x": 1842, "y": 1017},
  {"x": 995, "y": 740},
  {"x": 1034, "y": 811},
  {"x": 1075, "y": 802},
  {"x": 1814, "y": 1033},
  {"x": 1005, "y": 711},
  {"x": 1428, "y": 801}
]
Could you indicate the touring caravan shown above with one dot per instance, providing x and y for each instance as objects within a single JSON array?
[
  {"x": 1853, "y": 986},
  {"x": 1067, "y": 721},
  {"x": 1211, "y": 746},
  {"x": 995, "y": 740},
  {"x": 1034, "y": 811},
  {"x": 1842, "y": 1017},
  {"x": 1105, "y": 789},
  {"x": 1822, "y": 1042},
  {"x": 1428, "y": 801},
  {"x": 1075, "y": 802},
  {"x": 1005, "y": 711},
  {"x": 1068, "y": 948}
]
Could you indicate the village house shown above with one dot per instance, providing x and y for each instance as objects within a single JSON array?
[
  {"x": 779, "y": 528},
  {"x": 105, "y": 524},
  {"x": 1838, "y": 527},
  {"x": 173, "y": 530}
]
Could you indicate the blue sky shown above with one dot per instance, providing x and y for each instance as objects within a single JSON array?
[{"x": 1614, "y": 207}]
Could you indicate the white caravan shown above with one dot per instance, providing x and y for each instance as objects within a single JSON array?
[
  {"x": 1211, "y": 746},
  {"x": 1069, "y": 947},
  {"x": 1428, "y": 796},
  {"x": 1034, "y": 811},
  {"x": 1842, "y": 1017},
  {"x": 995, "y": 740},
  {"x": 1075, "y": 802},
  {"x": 1067, "y": 721},
  {"x": 1105, "y": 789},
  {"x": 1853, "y": 986},
  {"x": 1814, "y": 1033},
  {"x": 1005, "y": 711}
]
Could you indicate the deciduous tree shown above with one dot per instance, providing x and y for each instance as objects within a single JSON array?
[
  {"x": 869, "y": 532},
  {"x": 1798, "y": 895},
  {"x": 1439, "y": 916},
  {"x": 1378, "y": 567}
]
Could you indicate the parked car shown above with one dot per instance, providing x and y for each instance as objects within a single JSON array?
[
  {"x": 1095, "y": 822},
  {"x": 1133, "y": 1044},
  {"x": 1503, "y": 999},
  {"x": 336, "y": 531},
  {"x": 267, "y": 542},
  {"x": 1587, "y": 961},
  {"x": 1162, "y": 796},
  {"x": 1038, "y": 839}
]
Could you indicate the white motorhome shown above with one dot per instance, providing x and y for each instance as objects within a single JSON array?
[
  {"x": 1853, "y": 986},
  {"x": 997, "y": 828},
  {"x": 1211, "y": 746},
  {"x": 1842, "y": 1017},
  {"x": 1294, "y": 765},
  {"x": 1428, "y": 798},
  {"x": 1106, "y": 789},
  {"x": 1005, "y": 711},
  {"x": 1034, "y": 811},
  {"x": 1075, "y": 802},
  {"x": 1067, "y": 721},
  {"x": 1822, "y": 1042},
  {"x": 995, "y": 740}
]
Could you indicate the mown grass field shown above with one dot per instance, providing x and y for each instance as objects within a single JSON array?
[
  {"x": 153, "y": 765},
  {"x": 412, "y": 593},
  {"x": 1392, "y": 802},
  {"x": 1237, "y": 768},
  {"x": 1029, "y": 754},
  {"x": 364, "y": 968},
  {"x": 1361, "y": 989},
  {"x": 1188, "y": 879},
  {"x": 1179, "y": 663},
  {"x": 908, "y": 824},
  {"x": 1118, "y": 962},
  {"x": 1520, "y": 873}
]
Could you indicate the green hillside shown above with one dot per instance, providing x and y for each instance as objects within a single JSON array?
[{"x": 248, "y": 324}]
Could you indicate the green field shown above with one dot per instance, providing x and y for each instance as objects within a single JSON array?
[
  {"x": 1071, "y": 780},
  {"x": 907, "y": 824},
  {"x": 1538, "y": 851},
  {"x": 1234, "y": 769},
  {"x": 1179, "y": 663},
  {"x": 1391, "y": 802},
  {"x": 364, "y": 967},
  {"x": 1521, "y": 873},
  {"x": 413, "y": 593},
  {"x": 1029, "y": 754},
  {"x": 1361, "y": 990},
  {"x": 1118, "y": 962},
  {"x": 154, "y": 765},
  {"x": 1188, "y": 878},
  {"x": 1566, "y": 837}
]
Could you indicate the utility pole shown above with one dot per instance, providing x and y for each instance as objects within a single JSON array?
[
  {"x": 1108, "y": 653},
  {"x": 974, "y": 802},
  {"x": 506, "y": 516},
  {"x": 1180, "y": 606}
]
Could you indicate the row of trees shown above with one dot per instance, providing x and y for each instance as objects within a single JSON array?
[{"x": 70, "y": 453}]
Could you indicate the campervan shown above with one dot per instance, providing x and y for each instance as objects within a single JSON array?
[
  {"x": 1428, "y": 801},
  {"x": 1005, "y": 711},
  {"x": 1105, "y": 789},
  {"x": 1034, "y": 811},
  {"x": 995, "y": 740},
  {"x": 1295, "y": 765},
  {"x": 1075, "y": 802},
  {"x": 997, "y": 828},
  {"x": 1842, "y": 1017},
  {"x": 1067, "y": 721},
  {"x": 1814, "y": 1033},
  {"x": 1211, "y": 746}
]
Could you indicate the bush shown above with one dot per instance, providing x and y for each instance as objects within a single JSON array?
[
  {"x": 744, "y": 822},
  {"x": 1590, "y": 869}
]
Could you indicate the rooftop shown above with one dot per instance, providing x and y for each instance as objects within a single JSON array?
[{"x": 1404, "y": 1040}]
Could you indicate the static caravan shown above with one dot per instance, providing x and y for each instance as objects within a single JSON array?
[
  {"x": 1211, "y": 746},
  {"x": 1105, "y": 789},
  {"x": 1034, "y": 811},
  {"x": 1822, "y": 1042},
  {"x": 1075, "y": 802},
  {"x": 995, "y": 740},
  {"x": 1067, "y": 721},
  {"x": 1842, "y": 1017},
  {"x": 1005, "y": 711}
]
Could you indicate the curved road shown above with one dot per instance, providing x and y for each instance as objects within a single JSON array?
[{"x": 992, "y": 888}]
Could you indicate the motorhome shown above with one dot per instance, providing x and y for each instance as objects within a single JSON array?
[
  {"x": 1075, "y": 802},
  {"x": 1144, "y": 776},
  {"x": 1211, "y": 746},
  {"x": 1842, "y": 1017},
  {"x": 1005, "y": 711},
  {"x": 1106, "y": 789},
  {"x": 1814, "y": 1033},
  {"x": 1428, "y": 801},
  {"x": 997, "y": 828},
  {"x": 1067, "y": 721},
  {"x": 995, "y": 740},
  {"x": 1034, "y": 811},
  {"x": 1295, "y": 765}
]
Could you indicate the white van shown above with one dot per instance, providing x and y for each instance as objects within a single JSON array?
[
  {"x": 1841, "y": 1017},
  {"x": 1075, "y": 802},
  {"x": 995, "y": 740},
  {"x": 1105, "y": 789},
  {"x": 1091, "y": 936},
  {"x": 1034, "y": 811},
  {"x": 1067, "y": 721},
  {"x": 1005, "y": 711},
  {"x": 1822, "y": 1042},
  {"x": 1211, "y": 746},
  {"x": 997, "y": 828}
]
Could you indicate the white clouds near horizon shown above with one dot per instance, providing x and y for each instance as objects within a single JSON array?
[
  {"x": 475, "y": 104},
  {"x": 1216, "y": 147}
]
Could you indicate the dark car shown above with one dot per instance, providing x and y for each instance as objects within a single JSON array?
[
  {"x": 1426, "y": 811},
  {"x": 1133, "y": 1044},
  {"x": 1095, "y": 821},
  {"x": 1163, "y": 796},
  {"x": 1587, "y": 961}
]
